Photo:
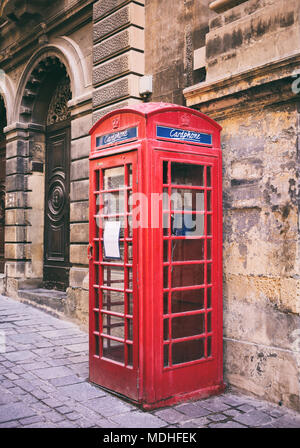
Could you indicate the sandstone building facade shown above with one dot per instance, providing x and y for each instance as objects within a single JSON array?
[{"x": 66, "y": 63}]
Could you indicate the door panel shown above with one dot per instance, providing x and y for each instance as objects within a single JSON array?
[
  {"x": 57, "y": 206},
  {"x": 113, "y": 286},
  {"x": 188, "y": 243}
]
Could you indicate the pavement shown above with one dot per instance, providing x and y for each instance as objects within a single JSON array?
[{"x": 44, "y": 384}]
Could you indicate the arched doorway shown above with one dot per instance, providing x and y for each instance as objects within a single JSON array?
[
  {"x": 57, "y": 187},
  {"x": 44, "y": 107},
  {"x": 3, "y": 123}
]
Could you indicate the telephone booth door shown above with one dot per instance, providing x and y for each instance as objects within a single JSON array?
[
  {"x": 113, "y": 285},
  {"x": 189, "y": 304}
]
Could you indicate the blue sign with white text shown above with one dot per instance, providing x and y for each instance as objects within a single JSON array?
[
  {"x": 117, "y": 137},
  {"x": 183, "y": 135}
]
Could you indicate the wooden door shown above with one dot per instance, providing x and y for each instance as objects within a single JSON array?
[{"x": 57, "y": 206}]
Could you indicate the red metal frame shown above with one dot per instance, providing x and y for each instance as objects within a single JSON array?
[{"x": 149, "y": 381}]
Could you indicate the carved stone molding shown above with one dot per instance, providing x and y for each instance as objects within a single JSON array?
[
  {"x": 22, "y": 10},
  {"x": 58, "y": 109}
]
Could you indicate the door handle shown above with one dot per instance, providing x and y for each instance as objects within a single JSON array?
[{"x": 90, "y": 251}]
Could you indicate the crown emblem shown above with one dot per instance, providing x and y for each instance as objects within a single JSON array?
[{"x": 185, "y": 120}]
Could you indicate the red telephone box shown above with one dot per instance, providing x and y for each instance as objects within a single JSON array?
[{"x": 156, "y": 254}]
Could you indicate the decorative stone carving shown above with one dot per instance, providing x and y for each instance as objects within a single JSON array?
[{"x": 58, "y": 109}]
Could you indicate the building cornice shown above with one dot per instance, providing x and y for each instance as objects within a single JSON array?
[{"x": 237, "y": 85}]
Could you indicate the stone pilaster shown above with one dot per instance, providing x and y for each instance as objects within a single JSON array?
[{"x": 118, "y": 54}]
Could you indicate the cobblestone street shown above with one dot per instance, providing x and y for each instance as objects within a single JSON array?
[{"x": 43, "y": 384}]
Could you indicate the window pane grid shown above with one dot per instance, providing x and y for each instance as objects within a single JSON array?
[{"x": 187, "y": 334}]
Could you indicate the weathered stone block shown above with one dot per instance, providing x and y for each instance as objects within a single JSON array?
[
  {"x": 78, "y": 276},
  {"x": 79, "y": 211},
  {"x": 78, "y": 254},
  {"x": 105, "y": 110},
  {"x": 14, "y": 234},
  {"x": 17, "y": 199},
  {"x": 79, "y": 190},
  {"x": 15, "y": 251},
  {"x": 131, "y": 14},
  {"x": 15, "y": 269},
  {"x": 131, "y": 61},
  {"x": 80, "y": 169},
  {"x": 16, "y": 182},
  {"x": 16, "y": 165},
  {"x": 80, "y": 126},
  {"x": 17, "y": 148},
  {"x": 117, "y": 90},
  {"x": 80, "y": 148},
  {"x": 268, "y": 372},
  {"x": 79, "y": 233},
  {"x": 130, "y": 38},
  {"x": 104, "y": 7},
  {"x": 15, "y": 217}
]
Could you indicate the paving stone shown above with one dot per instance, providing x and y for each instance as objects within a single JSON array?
[
  {"x": 192, "y": 410},
  {"x": 254, "y": 418},
  {"x": 52, "y": 403},
  {"x": 64, "y": 409},
  {"x": 287, "y": 421},
  {"x": 246, "y": 408},
  {"x": 73, "y": 416},
  {"x": 15, "y": 411},
  {"x": 53, "y": 372},
  {"x": 38, "y": 393},
  {"x": 195, "y": 423},
  {"x": 108, "y": 406},
  {"x": 77, "y": 347},
  {"x": 30, "y": 420},
  {"x": 82, "y": 391},
  {"x": 66, "y": 380},
  {"x": 11, "y": 376},
  {"x": 138, "y": 420},
  {"x": 171, "y": 415},
  {"x": 7, "y": 397},
  {"x": 217, "y": 417},
  {"x": 53, "y": 416},
  {"x": 227, "y": 425},
  {"x": 11, "y": 424},
  {"x": 20, "y": 356},
  {"x": 232, "y": 412},
  {"x": 215, "y": 405}
]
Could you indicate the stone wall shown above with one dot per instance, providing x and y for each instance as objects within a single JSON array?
[
  {"x": 252, "y": 55},
  {"x": 173, "y": 32}
]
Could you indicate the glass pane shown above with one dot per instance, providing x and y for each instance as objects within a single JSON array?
[
  {"x": 166, "y": 302},
  {"x": 186, "y": 250},
  {"x": 107, "y": 259},
  {"x": 187, "y": 275},
  {"x": 187, "y": 351},
  {"x": 130, "y": 355},
  {"x": 130, "y": 303},
  {"x": 166, "y": 250},
  {"x": 209, "y": 273},
  {"x": 185, "y": 326},
  {"x": 113, "y": 203},
  {"x": 115, "y": 218},
  {"x": 166, "y": 329},
  {"x": 130, "y": 254},
  {"x": 165, "y": 172},
  {"x": 113, "y": 300},
  {"x": 96, "y": 297},
  {"x": 209, "y": 346},
  {"x": 187, "y": 224},
  {"x": 130, "y": 281},
  {"x": 96, "y": 345},
  {"x": 209, "y": 249},
  {"x": 208, "y": 297},
  {"x": 187, "y": 200},
  {"x": 208, "y": 205},
  {"x": 96, "y": 317},
  {"x": 187, "y": 174},
  {"x": 113, "y": 350},
  {"x": 208, "y": 322},
  {"x": 208, "y": 177},
  {"x": 209, "y": 220},
  {"x": 130, "y": 329},
  {"x": 113, "y": 325},
  {"x": 166, "y": 277},
  {"x": 129, "y": 175},
  {"x": 166, "y": 355},
  {"x": 113, "y": 178},
  {"x": 113, "y": 277},
  {"x": 187, "y": 300}
]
